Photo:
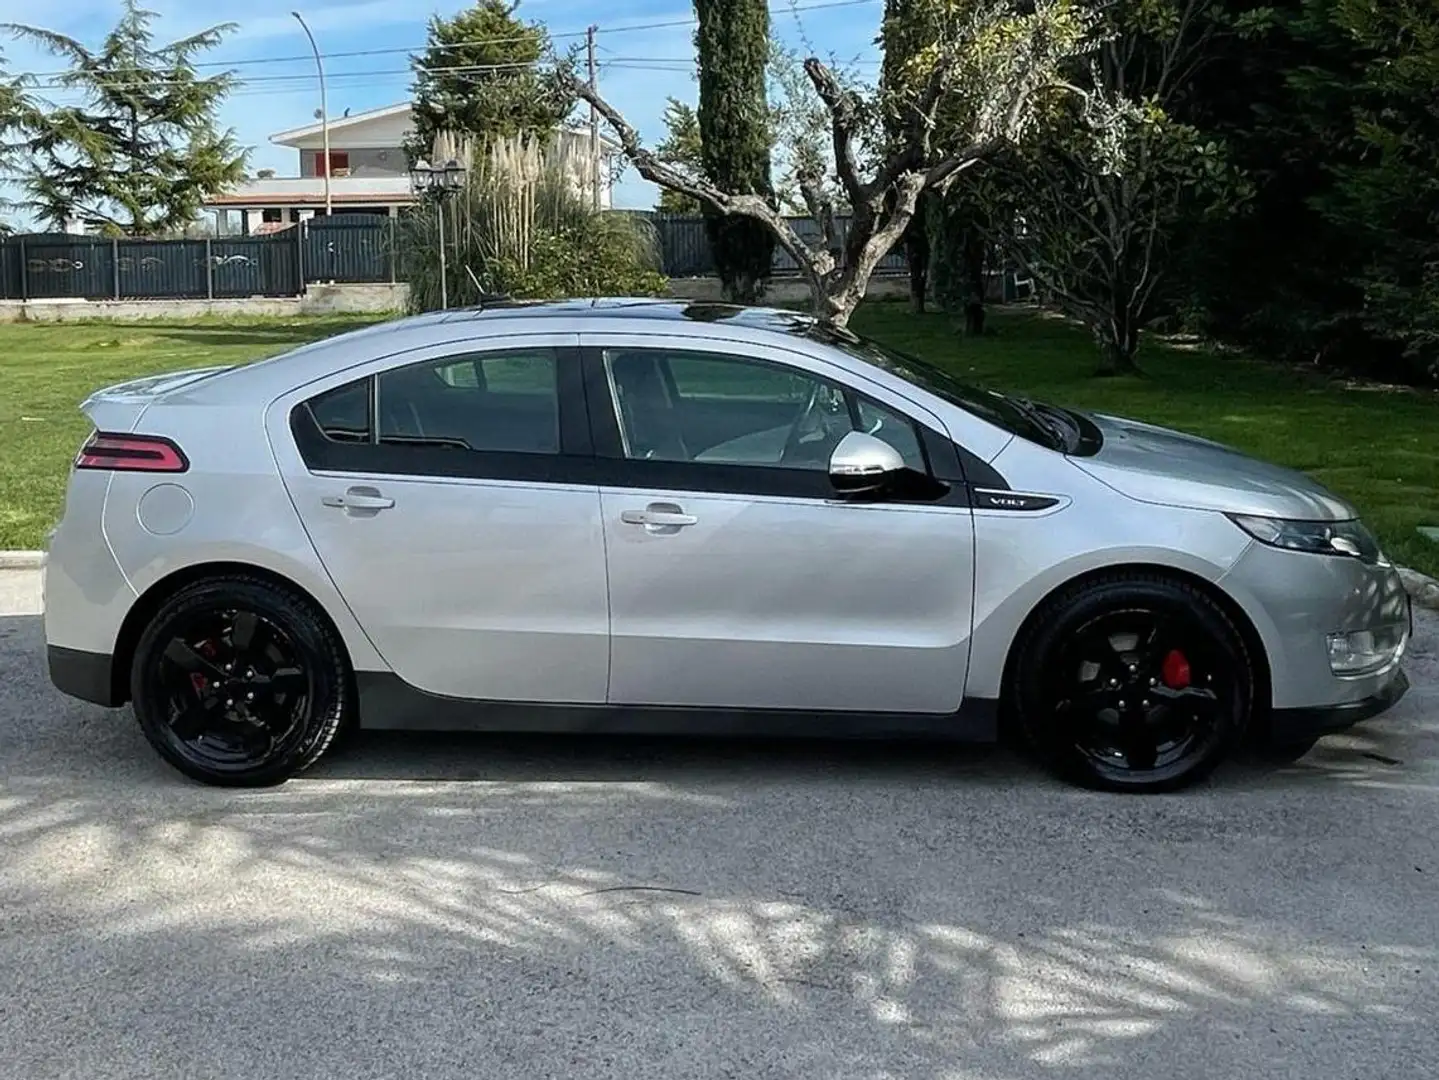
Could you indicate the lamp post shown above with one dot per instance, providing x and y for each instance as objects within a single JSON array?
[
  {"x": 324, "y": 109},
  {"x": 439, "y": 181}
]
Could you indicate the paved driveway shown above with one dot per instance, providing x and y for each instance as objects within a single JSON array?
[{"x": 437, "y": 907}]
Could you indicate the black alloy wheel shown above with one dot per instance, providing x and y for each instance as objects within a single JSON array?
[
  {"x": 239, "y": 683},
  {"x": 1134, "y": 683}
]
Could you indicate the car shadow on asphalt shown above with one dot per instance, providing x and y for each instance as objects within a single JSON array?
[{"x": 44, "y": 733}]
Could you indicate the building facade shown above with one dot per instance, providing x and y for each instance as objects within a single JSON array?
[{"x": 368, "y": 173}]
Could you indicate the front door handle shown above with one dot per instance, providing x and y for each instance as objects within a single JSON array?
[
  {"x": 362, "y": 499},
  {"x": 659, "y": 516}
]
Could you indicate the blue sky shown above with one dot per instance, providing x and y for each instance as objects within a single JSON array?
[{"x": 639, "y": 68}]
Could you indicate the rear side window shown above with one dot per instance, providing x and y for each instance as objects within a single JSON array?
[
  {"x": 343, "y": 414},
  {"x": 498, "y": 402}
]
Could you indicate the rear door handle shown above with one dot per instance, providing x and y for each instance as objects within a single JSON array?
[
  {"x": 359, "y": 498},
  {"x": 658, "y": 516}
]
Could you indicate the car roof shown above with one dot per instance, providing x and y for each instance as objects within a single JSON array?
[{"x": 315, "y": 360}]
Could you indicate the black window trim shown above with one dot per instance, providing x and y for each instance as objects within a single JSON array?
[
  {"x": 574, "y": 464},
  {"x": 617, "y": 470}
]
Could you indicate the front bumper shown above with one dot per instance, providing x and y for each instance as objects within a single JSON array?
[{"x": 1292, "y": 726}]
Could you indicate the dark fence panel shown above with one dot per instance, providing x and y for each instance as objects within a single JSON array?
[
  {"x": 256, "y": 265},
  {"x": 349, "y": 248}
]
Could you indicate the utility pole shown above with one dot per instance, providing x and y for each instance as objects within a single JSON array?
[
  {"x": 324, "y": 109},
  {"x": 594, "y": 118}
]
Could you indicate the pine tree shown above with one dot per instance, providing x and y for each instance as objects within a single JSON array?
[
  {"x": 145, "y": 149},
  {"x": 481, "y": 75},
  {"x": 681, "y": 146},
  {"x": 732, "y": 43}
]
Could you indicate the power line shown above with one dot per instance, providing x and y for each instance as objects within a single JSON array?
[{"x": 823, "y": 5}]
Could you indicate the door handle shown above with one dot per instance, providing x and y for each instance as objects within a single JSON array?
[
  {"x": 358, "y": 498},
  {"x": 658, "y": 516}
]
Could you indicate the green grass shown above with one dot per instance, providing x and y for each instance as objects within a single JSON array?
[{"x": 1378, "y": 446}]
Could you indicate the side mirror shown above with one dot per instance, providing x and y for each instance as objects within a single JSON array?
[{"x": 863, "y": 465}]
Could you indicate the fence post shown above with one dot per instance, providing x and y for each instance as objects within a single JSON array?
[
  {"x": 393, "y": 254},
  {"x": 300, "y": 257},
  {"x": 115, "y": 263},
  {"x": 24, "y": 272},
  {"x": 209, "y": 268}
]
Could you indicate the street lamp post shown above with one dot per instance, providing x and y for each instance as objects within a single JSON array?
[
  {"x": 324, "y": 109},
  {"x": 439, "y": 181}
]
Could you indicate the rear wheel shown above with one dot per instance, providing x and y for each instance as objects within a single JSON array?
[
  {"x": 1133, "y": 683},
  {"x": 237, "y": 682}
]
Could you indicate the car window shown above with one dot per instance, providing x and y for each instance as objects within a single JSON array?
[
  {"x": 897, "y": 430},
  {"x": 343, "y": 414},
  {"x": 720, "y": 409},
  {"x": 506, "y": 402}
]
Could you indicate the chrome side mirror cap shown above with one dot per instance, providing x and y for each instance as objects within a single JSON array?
[{"x": 863, "y": 465}]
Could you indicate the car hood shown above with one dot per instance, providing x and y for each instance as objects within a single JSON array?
[{"x": 1169, "y": 468}]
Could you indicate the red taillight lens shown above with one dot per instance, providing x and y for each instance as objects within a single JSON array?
[{"x": 131, "y": 453}]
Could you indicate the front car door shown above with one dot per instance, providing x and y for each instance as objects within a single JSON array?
[
  {"x": 738, "y": 579},
  {"x": 450, "y": 496}
]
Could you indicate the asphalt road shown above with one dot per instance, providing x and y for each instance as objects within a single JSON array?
[{"x": 447, "y": 907}]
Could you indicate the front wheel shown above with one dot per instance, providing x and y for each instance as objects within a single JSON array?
[
  {"x": 240, "y": 683},
  {"x": 1133, "y": 683}
]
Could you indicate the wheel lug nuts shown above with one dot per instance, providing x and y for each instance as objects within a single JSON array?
[
  {"x": 1145, "y": 703},
  {"x": 1121, "y": 704},
  {"x": 250, "y": 674},
  {"x": 1153, "y": 682},
  {"x": 229, "y": 703},
  {"x": 1133, "y": 668},
  {"x": 249, "y": 697}
]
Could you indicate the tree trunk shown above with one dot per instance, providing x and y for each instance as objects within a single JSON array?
[
  {"x": 974, "y": 283},
  {"x": 1118, "y": 340},
  {"x": 916, "y": 254}
]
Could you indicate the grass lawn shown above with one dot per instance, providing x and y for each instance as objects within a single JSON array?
[{"x": 1377, "y": 446}]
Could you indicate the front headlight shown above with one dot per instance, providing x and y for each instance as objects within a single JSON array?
[{"x": 1347, "y": 538}]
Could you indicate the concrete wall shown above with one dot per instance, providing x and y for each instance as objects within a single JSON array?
[
  {"x": 318, "y": 300},
  {"x": 355, "y": 300}
]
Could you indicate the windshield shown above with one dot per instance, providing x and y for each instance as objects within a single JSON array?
[{"x": 1014, "y": 415}]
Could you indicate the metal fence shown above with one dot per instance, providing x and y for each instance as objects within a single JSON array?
[
  {"x": 350, "y": 248},
  {"x": 685, "y": 249}
]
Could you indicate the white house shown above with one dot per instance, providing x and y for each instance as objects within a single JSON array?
[{"x": 369, "y": 173}]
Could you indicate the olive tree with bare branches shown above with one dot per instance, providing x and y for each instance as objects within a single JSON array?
[{"x": 991, "y": 66}]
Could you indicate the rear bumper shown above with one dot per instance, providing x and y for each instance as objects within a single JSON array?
[
  {"x": 1289, "y": 726},
  {"x": 84, "y": 675}
]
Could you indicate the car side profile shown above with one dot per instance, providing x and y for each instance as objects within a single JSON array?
[{"x": 659, "y": 516}]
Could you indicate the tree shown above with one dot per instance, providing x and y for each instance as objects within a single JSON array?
[
  {"x": 901, "y": 38},
  {"x": 1104, "y": 197},
  {"x": 732, "y": 50},
  {"x": 680, "y": 146},
  {"x": 144, "y": 149},
  {"x": 482, "y": 74},
  {"x": 1385, "y": 197},
  {"x": 991, "y": 66}
]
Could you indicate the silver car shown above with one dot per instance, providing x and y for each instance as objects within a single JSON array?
[{"x": 653, "y": 516}]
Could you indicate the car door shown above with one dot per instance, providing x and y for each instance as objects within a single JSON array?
[
  {"x": 450, "y": 495},
  {"x": 738, "y": 578}
]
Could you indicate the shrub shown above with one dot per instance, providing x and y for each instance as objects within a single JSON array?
[{"x": 524, "y": 226}]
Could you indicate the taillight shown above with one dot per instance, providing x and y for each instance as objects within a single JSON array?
[{"x": 131, "y": 453}]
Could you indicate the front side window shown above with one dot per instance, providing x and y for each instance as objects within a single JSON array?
[
  {"x": 499, "y": 402},
  {"x": 715, "y": 409}
]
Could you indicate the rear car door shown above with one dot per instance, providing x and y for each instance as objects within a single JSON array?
[
  {"x": 738, "y": 578},
  {"x": 450, "y": 495}
]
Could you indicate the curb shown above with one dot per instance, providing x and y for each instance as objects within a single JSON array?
[
  {"x": 21, "y": 560},
  {"x": 1423, "y": 589}
]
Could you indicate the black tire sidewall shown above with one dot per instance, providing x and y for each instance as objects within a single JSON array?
[
  {"x": 319, "y": 650},
  {"x": 1066, "y": 614}
]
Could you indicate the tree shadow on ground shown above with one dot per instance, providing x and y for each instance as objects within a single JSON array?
[{"x": 619, "y": 909}]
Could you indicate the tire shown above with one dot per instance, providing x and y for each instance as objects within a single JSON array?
[
  {"x": 237, "y": 682},
  {"x": 1085, "y": 658}
]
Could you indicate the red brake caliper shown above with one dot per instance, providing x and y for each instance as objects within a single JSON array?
[
  {"x": 198, "y": 681},
  {"x": 1175, "y": 670}
]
